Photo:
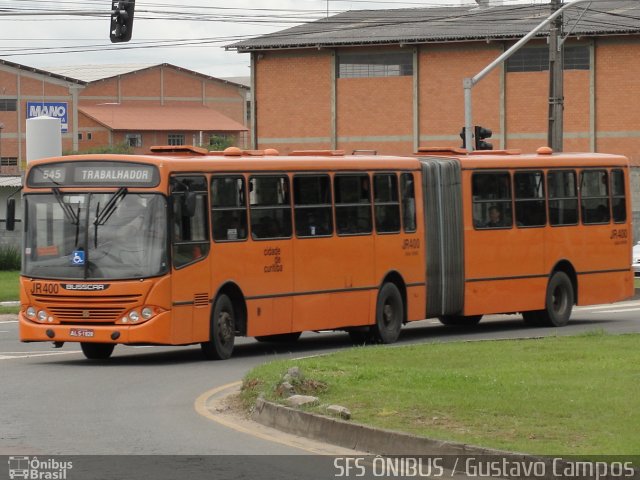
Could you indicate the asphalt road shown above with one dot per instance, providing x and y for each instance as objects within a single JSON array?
[{"x": 141, "y": 401}]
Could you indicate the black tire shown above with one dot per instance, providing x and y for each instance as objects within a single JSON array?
[
  {"x": 280, "y": 338},
  {"x": 222, "y": 331},
  {"x": 389, "y": 315},
  {"x": 559, "y": 301},
  {"x": 97, "y": 351},
  {"x": 460, "y": 320}
]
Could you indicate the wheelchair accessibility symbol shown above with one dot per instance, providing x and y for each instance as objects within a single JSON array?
[{"x": 77, "y": 257}]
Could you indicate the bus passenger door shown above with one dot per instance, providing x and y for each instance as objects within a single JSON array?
[{"x": 190, "y": 282}]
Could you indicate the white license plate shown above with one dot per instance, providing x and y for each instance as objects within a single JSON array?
[{"x": 81, "y": 332}]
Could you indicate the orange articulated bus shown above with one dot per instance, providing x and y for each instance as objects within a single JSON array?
[{"x": 183, "y": 246}]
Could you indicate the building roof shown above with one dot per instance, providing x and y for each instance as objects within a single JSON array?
[
  {"x": 12, "y": 181},
  {"x": 38, "y": 71},
  {"x": 97, "y": 72},
  {"x": 160, "y": 118},
  {"x": 246, "y": 81},
  {"x": 92, "y": 73},
  {"x": 448, "y": 24}
]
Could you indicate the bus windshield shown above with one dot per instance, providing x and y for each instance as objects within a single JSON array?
[{"x": 91, "y": 236}]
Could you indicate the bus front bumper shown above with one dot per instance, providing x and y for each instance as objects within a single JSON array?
[{"x": 156, "y": 331}]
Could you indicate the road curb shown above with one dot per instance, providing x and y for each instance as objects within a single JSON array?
[
  {"x": 10, "y": 304},
  {"x": 383, "y": 442},
  {"x": 360, "y": 437}
]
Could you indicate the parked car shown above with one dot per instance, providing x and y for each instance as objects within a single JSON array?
[{"x": 636, "y": 260}]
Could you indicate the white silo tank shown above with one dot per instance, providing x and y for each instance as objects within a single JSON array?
[{"x": 44, "y": 138}]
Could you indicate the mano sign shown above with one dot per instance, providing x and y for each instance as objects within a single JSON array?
[{"x": 50, "y": 109}]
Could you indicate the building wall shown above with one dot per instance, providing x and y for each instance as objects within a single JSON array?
[
  {"x": 162, "y": 85},
  {"x": 294, "y": 109},
  {"x": 302, "y": 104},
  {"x": 441, "y": 70},
  {"x": 166, "y": 85},
  {"x": 27, "y": 86},
  {"x": 299, "y": 100}
]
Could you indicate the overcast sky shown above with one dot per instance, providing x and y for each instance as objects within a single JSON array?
[{"x": 39, "y": 41}]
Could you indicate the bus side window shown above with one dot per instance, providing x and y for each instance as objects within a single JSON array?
[
  {"x": 531, "y": 210},
  {"x": 270, "y": 207},
  {"x": 563, "y": 197},
  {"x": 594, "y": 192},
  {"x": 387, "y": 205},
  {"x": 190, "y": 222},
  {"x": 228, "y": 208},
  {"x": 491, "y": 200},
  {"x": 619, "y": 203},
  {"x": 312, "y": 200},
  {"x": 353, "y": 203},
  {"x": 408, "y": 202}
]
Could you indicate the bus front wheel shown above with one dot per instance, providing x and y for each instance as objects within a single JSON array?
[
  {"x": 222, "y": 332},
  {"x": 97, "y": 351},
  {"x": 389, "y": 315}
]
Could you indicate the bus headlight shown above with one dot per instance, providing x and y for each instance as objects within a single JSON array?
[
  {"x": 31, "y": 313},
  {"x": 138, "y": 315},
  {"x": 42, "y": 316}
]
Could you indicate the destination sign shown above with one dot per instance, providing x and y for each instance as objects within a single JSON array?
[{"x": 93, "y": 174}]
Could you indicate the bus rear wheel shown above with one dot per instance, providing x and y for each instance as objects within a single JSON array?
[
  {"x": 222, "y": 331},
  {"x": 559, "y": 302},
  {"x": 280, "y": 338},
  {"x": 389, "y": 315},
  {"x": 97, "y": 351},
  {"x": 460, "y": 320}
]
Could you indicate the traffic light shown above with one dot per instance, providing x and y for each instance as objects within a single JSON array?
[
  {"x": 121, "y": 20},
  {"x": 481, "y": 134},
  {"x": 463, "y": 137}
]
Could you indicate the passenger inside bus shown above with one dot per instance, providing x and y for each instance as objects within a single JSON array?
[{"x": 495, "y": 217}]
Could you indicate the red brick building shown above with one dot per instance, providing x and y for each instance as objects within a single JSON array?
[
  {"x": 391, "y": 80},
  {"x": 108, "y": 105}
]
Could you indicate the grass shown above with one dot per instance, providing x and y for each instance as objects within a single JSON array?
[
  {"x": 9, "y": 285},
  {"x": 9, "y": 258},
  {"x": 554, "y": 396},
  {"x": 11, "y": 310}
]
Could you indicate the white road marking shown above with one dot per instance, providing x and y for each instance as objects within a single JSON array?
[
  {"x": 16, "y": 355},
  {"x": 628, "y": 310},
  {"x": 630, "y": 305},
  {"x": 9, "y": 321}
]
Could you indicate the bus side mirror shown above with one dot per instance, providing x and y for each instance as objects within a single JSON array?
[
  {"x": 190, "y": 203},
  {"x": 11, "y": 214}
]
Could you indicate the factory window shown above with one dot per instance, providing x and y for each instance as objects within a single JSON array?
[
  {"x": 133, "y": 139},
  {"x": 8, "y": 105},
  {"x": 175, "y": 139},
  {"x": 536, "y": 59},
  {"x": 9, "y": 161},
  {"x": 359, "y": 65},
  {"x": 89, "y": 136},
  {"x": 80, "y": 136}
]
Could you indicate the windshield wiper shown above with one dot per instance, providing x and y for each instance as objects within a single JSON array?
[
  {"x": 103, "y": 216},
  {"x": 66, "y": 208}
]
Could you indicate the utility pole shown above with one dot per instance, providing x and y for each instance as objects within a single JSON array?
[
  {"x": 469, "y": 83},
  {"x": 556, "y": 71}
]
